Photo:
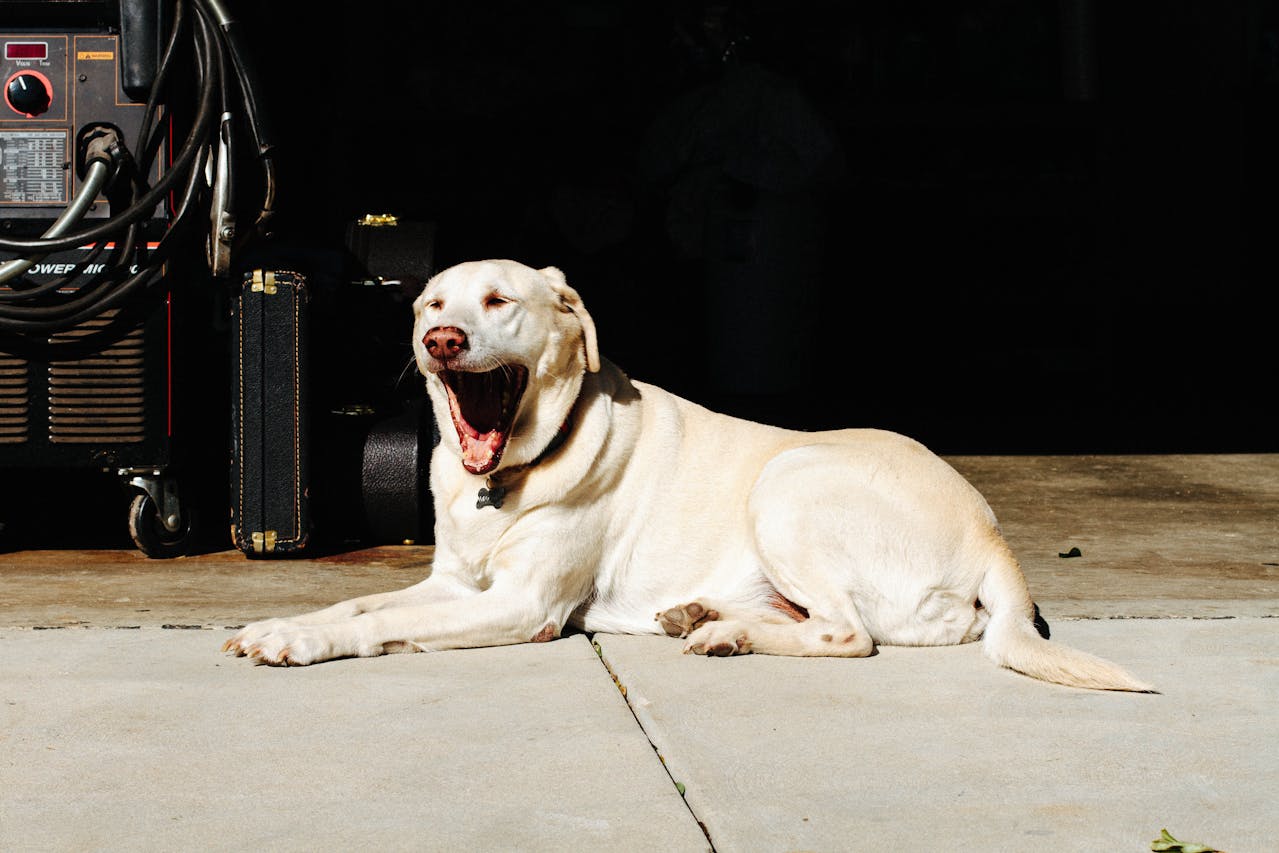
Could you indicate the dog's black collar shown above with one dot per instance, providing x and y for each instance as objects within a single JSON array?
[{"x": 493, "y": 493}]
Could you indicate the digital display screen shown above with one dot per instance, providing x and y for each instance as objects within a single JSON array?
[{"x": 26, "y": 50}]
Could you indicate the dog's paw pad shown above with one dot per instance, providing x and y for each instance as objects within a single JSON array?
[
  {"x": 683, "y": 620},
  {"x": 727, "y": 648},
  {"x": 719, "y": 639}
]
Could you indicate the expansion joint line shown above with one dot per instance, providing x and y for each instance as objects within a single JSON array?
[{"x": 679, "y": 786}]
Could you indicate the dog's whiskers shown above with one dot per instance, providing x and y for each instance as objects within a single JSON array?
[{"x": 410, "y": 368}]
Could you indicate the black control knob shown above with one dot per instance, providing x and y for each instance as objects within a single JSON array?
[{"x": 28, "y": 94}]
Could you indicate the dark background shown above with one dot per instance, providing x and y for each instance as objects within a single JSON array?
[{"x": 1000, "y": 226}]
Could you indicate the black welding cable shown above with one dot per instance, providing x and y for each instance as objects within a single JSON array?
[
  {"x": 150, "y": 135},
  {"x": 96, "y": 177},
  {"x": 84, "y": 296},
  {"x": 27, "y": 291},
  {"x": 205, "y": 118},
  {"x": 183, "y": 209},
  {"x": 259, "y": 127},
  {"x": 93, "y": 298},
  {"x": 109, "y": 299},
  {"x": 138, "y": 210},
  {"x": 105, "y": 289},
  {"x": 186, "y": 202},
  {"x": 148, "y": 140},
  {"x": 245, "y": 73},
  {"x": 196, "y": 185}
]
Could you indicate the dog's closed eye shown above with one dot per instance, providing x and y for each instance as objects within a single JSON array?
[{"x": 496, "y": 300}]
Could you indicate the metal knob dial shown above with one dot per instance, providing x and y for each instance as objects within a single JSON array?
[{"x": 28, "y": 94}]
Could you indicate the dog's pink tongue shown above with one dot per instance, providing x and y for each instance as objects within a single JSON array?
[{"x": 479, "y": 452}]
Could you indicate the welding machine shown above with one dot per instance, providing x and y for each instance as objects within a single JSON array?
[{"x": 118, "y": 131}]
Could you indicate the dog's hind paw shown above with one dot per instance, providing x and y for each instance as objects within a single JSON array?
[
  {"x": 719, "y": 639},
  {"x": 685, "y": 619}
]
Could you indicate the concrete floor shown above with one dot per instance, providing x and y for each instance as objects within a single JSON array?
[{"x": 148, "y": 738}]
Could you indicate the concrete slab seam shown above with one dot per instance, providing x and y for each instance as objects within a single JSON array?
[{"x": 647, "y": 726}]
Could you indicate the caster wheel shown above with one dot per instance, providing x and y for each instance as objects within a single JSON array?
[{"x": 151, "y": 536}]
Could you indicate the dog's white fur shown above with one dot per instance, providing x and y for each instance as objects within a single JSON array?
[{"x": 656, "y": 507}]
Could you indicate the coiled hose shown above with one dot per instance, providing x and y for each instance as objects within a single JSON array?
[{"x": 225, "y": 83}]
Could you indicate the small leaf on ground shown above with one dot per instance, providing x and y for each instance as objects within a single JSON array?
[{"x": 1165, "y": 843}]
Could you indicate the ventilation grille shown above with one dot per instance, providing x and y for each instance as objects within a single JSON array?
[
  {"x": 99, "y": 398},
  {"x": 14, "y": 407}
]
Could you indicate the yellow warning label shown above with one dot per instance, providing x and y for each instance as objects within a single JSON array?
[{"x": 95, "y": 54}]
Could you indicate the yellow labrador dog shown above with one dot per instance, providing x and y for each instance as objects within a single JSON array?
[{"x": 568, "y": 494}]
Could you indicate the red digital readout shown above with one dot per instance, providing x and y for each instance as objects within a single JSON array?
[{"x": 26, "y": 50}]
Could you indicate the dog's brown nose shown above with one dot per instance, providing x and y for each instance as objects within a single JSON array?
[{"x": 444, "y": 342}]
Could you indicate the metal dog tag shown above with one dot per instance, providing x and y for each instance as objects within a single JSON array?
[{"x": 490, "y": 497}]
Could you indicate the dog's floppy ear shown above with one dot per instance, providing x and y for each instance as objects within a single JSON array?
[{"x": 573, "y": 304}]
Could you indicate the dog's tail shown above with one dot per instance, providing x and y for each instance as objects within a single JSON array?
[{"x": 1012, "y": 640}]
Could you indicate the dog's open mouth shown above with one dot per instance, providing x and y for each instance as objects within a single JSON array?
[{"x": 483, "y": 407}]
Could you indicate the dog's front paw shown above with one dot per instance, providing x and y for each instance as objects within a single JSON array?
[
  {"x": 682, "y": 620},
  {"x": 250, "y": 634},
  {"x": 295, "y": 645},
  {"x": 719, "y": 639},
  {"x": 282, "y": 642}
]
